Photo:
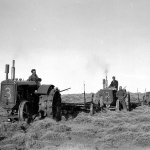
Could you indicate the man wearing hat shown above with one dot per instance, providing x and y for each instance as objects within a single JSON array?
[
  {"x": 34, "y": 76},
  {"x": 114, "y": 85}
]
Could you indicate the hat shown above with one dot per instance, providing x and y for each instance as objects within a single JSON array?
[{"x": 32, "y": 70}]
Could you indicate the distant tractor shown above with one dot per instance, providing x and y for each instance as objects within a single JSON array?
[
  {"x": 106, "y": 97},
  {"x": 24, "y": 100}
]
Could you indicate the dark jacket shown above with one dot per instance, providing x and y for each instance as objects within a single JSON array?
[
  {"x": 114, "y": 84},
  {"x": 121, "y": 94},
  {"x": 33, "y": 78}
]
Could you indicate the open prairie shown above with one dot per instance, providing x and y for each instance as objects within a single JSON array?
[{"x": 108, "y": 130}]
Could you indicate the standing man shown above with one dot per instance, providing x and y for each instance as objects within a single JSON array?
[
  {"x": 121, "y": 95},
  {"x": 114, "y": 85}
]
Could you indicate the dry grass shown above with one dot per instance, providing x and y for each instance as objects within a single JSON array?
[
  {"x": 109, "y": 130},
  {"x": 143, "y": 140}
]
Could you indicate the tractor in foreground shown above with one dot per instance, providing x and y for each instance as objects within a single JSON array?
[{"x": 25, "y": 100}]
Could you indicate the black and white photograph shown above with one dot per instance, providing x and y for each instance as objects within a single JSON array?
[{"x": 74, "y": 75}]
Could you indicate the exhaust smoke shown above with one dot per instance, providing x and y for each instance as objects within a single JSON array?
[{"x": 96, "y": 63}]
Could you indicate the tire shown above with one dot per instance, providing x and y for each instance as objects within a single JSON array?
[
  {"x": 127, "y": 102},
  {"x": 91, "y": 109},
  {"x": 56, "y": 106},
  {"x": 24, "y": 111}
]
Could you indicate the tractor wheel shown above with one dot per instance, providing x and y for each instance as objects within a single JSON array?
[
  {"x": 24, "y": 111},
  {"x": 56, "y": 107},
  {"x": 91, "y": 109},
  {"x": 127, "y": 101}
]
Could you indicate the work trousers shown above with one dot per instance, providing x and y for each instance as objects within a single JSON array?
[
  {"x": 122, "y": 101},
  {"x": 114, "y": 98}
]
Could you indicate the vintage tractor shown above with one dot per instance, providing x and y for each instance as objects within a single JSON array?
[
  {"x": 106, "y": 97},
  {"x": 24, "y": 100}
]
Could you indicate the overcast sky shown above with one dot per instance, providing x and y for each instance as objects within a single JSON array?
[{"x": 70, "y": 42}]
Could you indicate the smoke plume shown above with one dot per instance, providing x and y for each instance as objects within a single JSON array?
[
  {"x": 106, "y": 69},
  {"x": 96, "y": 63}
]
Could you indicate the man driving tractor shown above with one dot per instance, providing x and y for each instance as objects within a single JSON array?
[
  {"x": 114, "y": 85},
  {"x": 34, "y": 77}
]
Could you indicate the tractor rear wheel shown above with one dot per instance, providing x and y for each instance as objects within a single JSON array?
[
  {"x": 56, "y": 107},
  {"x": 127, "y": 101},
  {"x": 24, "y": 111},
  {"x": 91, "y": 109}
]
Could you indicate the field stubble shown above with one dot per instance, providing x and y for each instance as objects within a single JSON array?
[{"x": 104, "y": 130}]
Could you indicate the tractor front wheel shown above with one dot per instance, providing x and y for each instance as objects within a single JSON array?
[{"x": 24, "y": 111}]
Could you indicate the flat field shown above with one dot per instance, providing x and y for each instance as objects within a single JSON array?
[{"x": 108, "y": 130}]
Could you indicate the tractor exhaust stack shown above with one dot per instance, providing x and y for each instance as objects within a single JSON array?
[
  {"x": 106, "y": 82},
  {"x": 103, "y": 83},
  {"x": 7, "y": 71},
  {"x": 13, "y": 70}
]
